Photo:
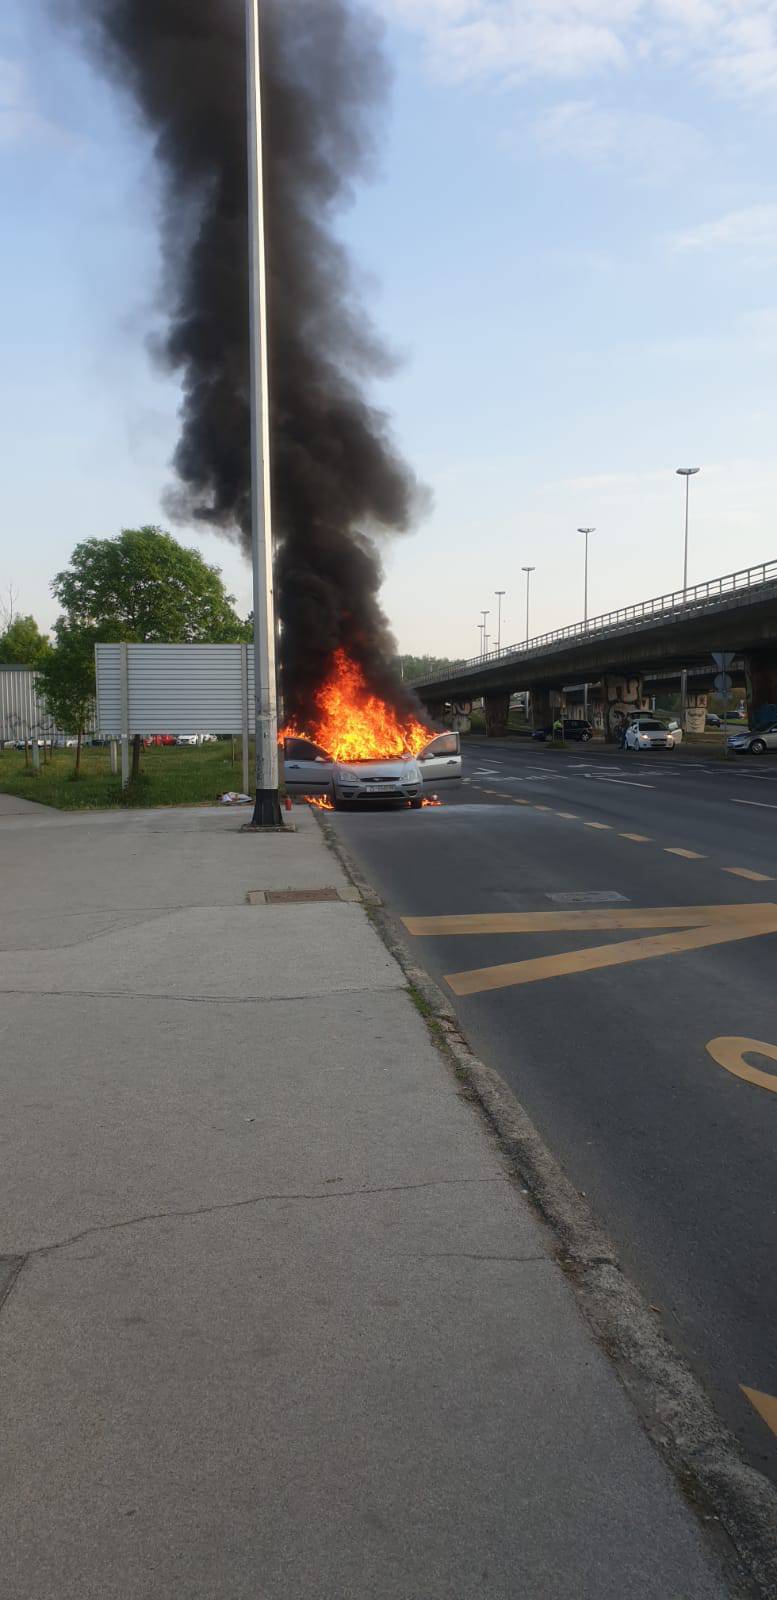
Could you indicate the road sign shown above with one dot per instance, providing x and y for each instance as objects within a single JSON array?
[
  {"x": 723, "y": 659},
  {"x": 723, "y": 683}
]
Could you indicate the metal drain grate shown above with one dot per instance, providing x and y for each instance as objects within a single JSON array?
[
  {"x": 292, "y": 897},
  {"x": 299, "y": 897}
]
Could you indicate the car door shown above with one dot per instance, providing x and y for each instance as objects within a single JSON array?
[
  {"x": 769, "y": 736},
  {"x": 307, "y": 769},
  {"x": 440, "y": 760}
]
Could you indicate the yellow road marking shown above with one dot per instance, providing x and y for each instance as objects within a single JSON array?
[
  {"x": 688, "y": 855},
  {"x": 639, "y": 838},
  {"x": 729, "y": 1052},
  {"x": 693, "y": 928},
  {"x": 517, "y": 802},
  {"x": 541, "y": 808},
  {"x": 745, "y": 872},
  {"x": 601, "y": 825},
  {"x": 765, "y": 1405},
  {"x": 569, "y": 816},
  {"x": 598, "y": 919}
]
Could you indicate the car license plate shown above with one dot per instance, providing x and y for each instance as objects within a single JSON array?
[{"x": 380, "y": 788}]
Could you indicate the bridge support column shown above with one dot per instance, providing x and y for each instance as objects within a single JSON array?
[
  {"x": 461, "y": 715},
  {"x": 496, "y": 709},
  {"x": 761, "y": 680},
  {"x": 622, "y": 697},
  {"x": 695, "y": 713},
  {"x": 541, "y": 708}
]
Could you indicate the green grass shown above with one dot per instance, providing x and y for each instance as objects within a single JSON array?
[{"x": 170, "y": 776}]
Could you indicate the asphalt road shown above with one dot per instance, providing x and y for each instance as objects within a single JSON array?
[{"x": 675, "y": 1152}]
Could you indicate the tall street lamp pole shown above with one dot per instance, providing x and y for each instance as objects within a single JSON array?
[
  {"x": 485, "y": 614},
  {"x": 267, "y": 812},
  {"x": 586, "y": 531},
  {"x": 687, "y": 473},
  {"x": 499, "y": 594},
  {"x": 528, "y": 571}
]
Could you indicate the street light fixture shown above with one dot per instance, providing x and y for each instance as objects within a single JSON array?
[
  {"x": 687, "y": 473},
  {"x": 499, "y": 594},
  {"x": 586, "y": 531},
  {"x": 528, "y": 571},
  {"x": 485, "y": 614}
]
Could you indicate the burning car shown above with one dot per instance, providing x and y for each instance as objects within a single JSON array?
[
  {"x": 401, "y": 779},
  {"x": 356, "y": 748}
]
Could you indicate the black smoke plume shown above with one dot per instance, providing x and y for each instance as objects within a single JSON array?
[{"x": 338, "y": 482}]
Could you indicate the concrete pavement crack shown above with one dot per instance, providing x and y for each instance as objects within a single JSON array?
[
  {"x": 475, "y": 1255},
  {"x": 200, "y": 999},
  {"x": 250, "y": 1200}
]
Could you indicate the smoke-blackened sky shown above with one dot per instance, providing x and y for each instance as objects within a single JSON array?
[{"x": 338, "y": 481}]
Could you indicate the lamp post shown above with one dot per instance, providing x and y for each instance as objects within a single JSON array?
[
  {"x": 586, "y": 531},
  {"x": 528, "y": 571},
  {"x": 499, "y": 594},
  {"x": 687, "y": 473},
  {"x": 267, "y": 811},
  {"x": 485, "y": 614}
]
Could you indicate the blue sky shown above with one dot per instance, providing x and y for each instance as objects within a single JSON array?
[{"x": 572, "y": 245}]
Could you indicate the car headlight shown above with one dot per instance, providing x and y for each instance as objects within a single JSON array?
[
  {"x": 412, "y": 775},
  {"x": 347, "y": 777}
]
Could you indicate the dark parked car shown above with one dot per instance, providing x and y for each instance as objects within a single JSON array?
[{"x": 577, "y": 728}]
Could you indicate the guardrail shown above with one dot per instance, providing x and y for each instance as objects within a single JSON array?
[{"x": 682, "y": 602}]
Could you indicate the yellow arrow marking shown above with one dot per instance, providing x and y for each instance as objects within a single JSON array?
[
  {"x": 729, "y": 1052},
  {"x": 765, "y": 1405},
  {"x": 745, "y": 872},
  {"x": 697, "y": 927}
]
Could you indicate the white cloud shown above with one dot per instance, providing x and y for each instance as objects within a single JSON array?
[
  {"x": 651, "y": 146},
  {"x": 18, "y": 116},
  {"x": 733, "y": 43},
  {"x": 752, "y": 232}
]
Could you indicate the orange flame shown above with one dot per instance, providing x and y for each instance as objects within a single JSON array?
[
  {"x": 352, "y": 724},
  {"x": 321, "y": 800}
]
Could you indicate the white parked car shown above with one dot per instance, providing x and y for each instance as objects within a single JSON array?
[
  {"x": 647, "y": 733},
  {"x": 309, "y": 770},
  {"x": 196, "y": 738}
]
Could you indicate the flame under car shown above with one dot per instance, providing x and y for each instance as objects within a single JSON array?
[{"x": 392, "y": 780}]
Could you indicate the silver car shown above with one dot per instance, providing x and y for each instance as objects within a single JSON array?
[
  {"x": 309, "y": 770},
  {"x": 754, "y": 741}
]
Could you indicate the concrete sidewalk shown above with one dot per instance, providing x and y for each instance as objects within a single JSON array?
[{"x": 283, "y": 1326}]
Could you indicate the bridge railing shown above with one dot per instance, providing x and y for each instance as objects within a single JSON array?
[{"x": 681, "y": 602}]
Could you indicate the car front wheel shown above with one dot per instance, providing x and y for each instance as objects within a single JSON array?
[{"x": 758, "y": 747}]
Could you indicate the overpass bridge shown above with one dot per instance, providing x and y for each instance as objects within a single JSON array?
[{"x": 618, "y": 650}]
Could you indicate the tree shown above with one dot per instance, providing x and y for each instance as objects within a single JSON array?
[
  {"x": 425, "y": 666},
  {"x": 23, "y": 642},
  {"x": 66, "y": 680},
  {"x": 144, "y": 587}
]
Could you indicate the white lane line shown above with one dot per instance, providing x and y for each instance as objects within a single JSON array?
[
  {"x": 763, "y": 805},
  {"x": 626, "y": 783}
]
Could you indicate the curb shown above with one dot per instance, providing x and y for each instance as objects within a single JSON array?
[{"x": 672, "y": 1405}]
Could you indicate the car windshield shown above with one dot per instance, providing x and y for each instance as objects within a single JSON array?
[{"x": 651, "y": 727}]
